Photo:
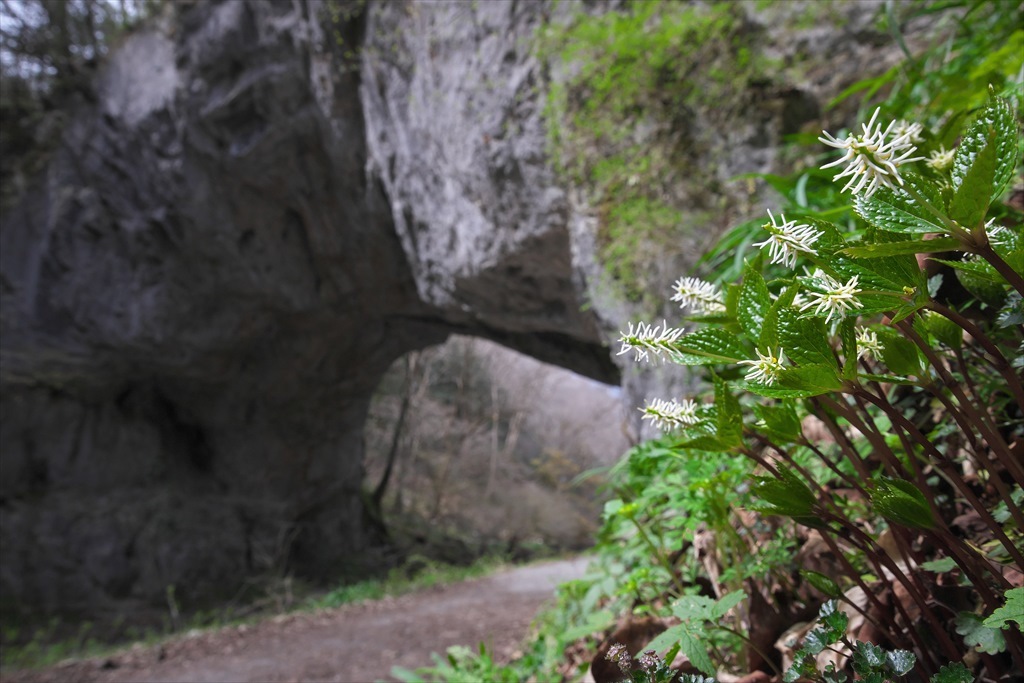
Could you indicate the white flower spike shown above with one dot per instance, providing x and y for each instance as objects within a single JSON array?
[
  {"x": 837, "y": 300},
  {"x": 873, "y": 158},
  {"x": 787, "y": 239},
  {"x": 767, "y": 368},
  {"x": 868, "y": 345},
  {"x": 671, "y": 414},
  {"x": 941, "y": 159},
  {"x": 910, "y": 131},
  {"x": 645, "y": 340},
  {"x": 701, "y": 296}
]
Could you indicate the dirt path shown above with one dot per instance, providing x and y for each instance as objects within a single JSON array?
[{"x": 351, "y": 644}]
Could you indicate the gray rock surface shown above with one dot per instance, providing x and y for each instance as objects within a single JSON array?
[
  {"x": 202, "y": 288},
  {"x": 266, "y": 204}
]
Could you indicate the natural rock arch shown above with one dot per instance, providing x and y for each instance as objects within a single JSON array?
[{"x": 225, "y": 251}]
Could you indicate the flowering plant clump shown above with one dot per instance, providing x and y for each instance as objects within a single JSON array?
[
  {"x": 873, "y": 158},
  {"x": 920, "y": 389}
]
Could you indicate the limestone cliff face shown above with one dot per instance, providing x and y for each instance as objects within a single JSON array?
[
  {"x": 265, "y": 205},
  {"x": 226, "y": 250}
]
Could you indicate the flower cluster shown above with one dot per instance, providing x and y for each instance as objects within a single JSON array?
[
  {"x": 701, "y": 296},
  {"x": 650, "y": 661},
  {"x": 836, "y": 299},
  {"x": 873, "y": 158},
  {"x": 645, "y": 340},
  {"x": 671, "y": 414},
  {"x": 940, "y": 159},
  {"x": 620, "y": 655},
  {"x": 767, "y": 368},
  {"x": 787, "y": 239},
  {"x": 868, "y": 345}
]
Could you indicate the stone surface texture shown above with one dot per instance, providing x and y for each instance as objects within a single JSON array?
[
  {"x": 225, "y": 251},
  {"x": 265, "y": 205}
]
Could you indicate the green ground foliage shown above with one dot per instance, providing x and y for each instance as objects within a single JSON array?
[{"x": 742, "y": 521}]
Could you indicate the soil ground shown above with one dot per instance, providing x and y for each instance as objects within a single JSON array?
[{"x": 350, "y": 644}]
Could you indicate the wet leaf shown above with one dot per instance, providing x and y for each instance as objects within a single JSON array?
[
  {"x": 867, "y": 657},
  {"x": 996, "y": 126},
  {"x": 900, "y": 662},
  {"x": 970, "y": 203},
  {"x": 898, "y": 211}
]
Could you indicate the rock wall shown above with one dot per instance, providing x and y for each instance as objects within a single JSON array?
[
  {"x": 266, "y": 203},
  {"x": 226, "y": 249}
]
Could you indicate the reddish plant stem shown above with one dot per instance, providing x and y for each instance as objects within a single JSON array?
[
  {"x": 882, "y": 560},
  {"x": 986, "y": 252},
  {"x": 946, "y": 468},
  {"x": 981, "y": 419},
  {"x": 999, "y": 361},
  {"x": 893, "y": 628}
]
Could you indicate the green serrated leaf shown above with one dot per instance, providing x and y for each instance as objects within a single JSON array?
[
  {"x": 867, "y": 658},
  {"x": 899, "y": 353},
  {"x": 900, "y": 662},
  {"x": 696, "y": 608},
  {"x": 938, "y": 566},
  {"x": 754, "y": 302},
  {"x": 896, "y": 210},
  {"x": 848, "y": 339},
  {"x": 1013, "y": 610},
  {"x": 770, "y": 327},
  {"x": 708, "y": 345},
  {"x": 803, "y": 666},
  {"x": 977, "y": 635},
  {"x": 689, "y": 641},
  {"x": 1013, "y": 312},
  {"x": 902, "y": 503},
  {"x": 871, "y": 251},
  {"x": 974, "y": 266},
  {"x": 816, "y": 641},
  {"x": 805, "y": 340},
  {"x": 787, "y": 493},
  {"x": 986, "y": 286},
  {"x": 834, "y": 619},
  {"x": 953, "y": 673},
  {"x": 726, "y": 603},
  {"x": 971, "y": 200},
  {"x": 781, "y": 421},
  {"x": 944, "y": 330},
  {"x": 995, "y": 125},
  {"x": 730, "y": 418},
  {"x": 818, "y": 378}
]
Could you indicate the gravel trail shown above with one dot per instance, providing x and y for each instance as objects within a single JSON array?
[{"x": 350, "y": 644}]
